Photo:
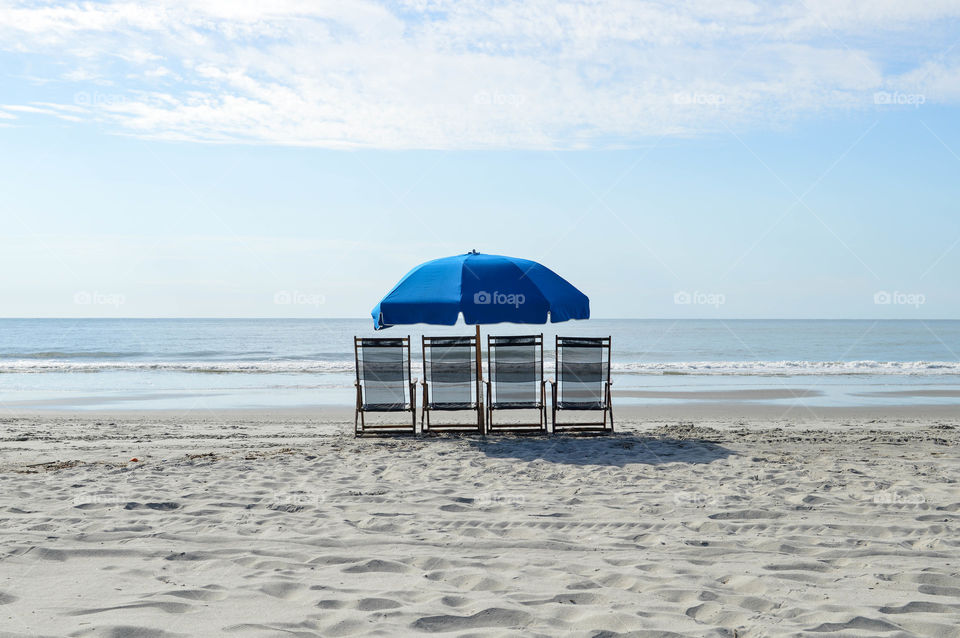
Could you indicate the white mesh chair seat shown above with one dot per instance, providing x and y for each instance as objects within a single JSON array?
[
  {"x": 451, "y": 381},
  {"x": 383, "y": 381},
  {"x": 515, "y": 366},
  {"x": 583, "y": 380}
]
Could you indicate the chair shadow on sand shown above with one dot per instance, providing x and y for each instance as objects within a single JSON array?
[{"x": 615, "y": 450}]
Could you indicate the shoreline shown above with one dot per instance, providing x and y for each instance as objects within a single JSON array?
[{"x": 327, "y": 413}]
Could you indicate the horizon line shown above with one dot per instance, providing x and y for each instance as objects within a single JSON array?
[{"x": 261, "y": 318}]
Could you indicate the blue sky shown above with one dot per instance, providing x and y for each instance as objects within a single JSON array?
[{"x": 713, "y": 160}]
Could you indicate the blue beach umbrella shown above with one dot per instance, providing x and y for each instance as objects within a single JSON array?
[{"x": 484, "y": 289}]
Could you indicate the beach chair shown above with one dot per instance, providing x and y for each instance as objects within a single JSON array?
[
  {"x": 384, "y": 384},
  {"x": 451, "y": 382},
  {"x": 583, "y": 382},
  {"x": 515, "y": 368}
]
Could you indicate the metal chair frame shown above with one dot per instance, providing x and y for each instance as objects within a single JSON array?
[
  {"x": 466, "y": 428},
  {"x": 360, "y": 428},
  {"x": 515, "y": 428},
  {"x": 593, "y": 427}
]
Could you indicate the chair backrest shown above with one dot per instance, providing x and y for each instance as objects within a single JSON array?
[
  {"x": 450, "y": 370},
  {"x": 516, "y": 369},
  {"x": 583, "y": 370},
  {"x": 383, "y": 371}
]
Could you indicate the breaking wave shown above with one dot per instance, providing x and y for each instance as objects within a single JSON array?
[{"x": 300, "y": 366}]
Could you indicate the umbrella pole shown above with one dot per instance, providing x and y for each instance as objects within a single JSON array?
[{"x": 479, "y": 384}]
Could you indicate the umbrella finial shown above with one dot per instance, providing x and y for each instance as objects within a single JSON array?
[{"x": 473, "y": 252}]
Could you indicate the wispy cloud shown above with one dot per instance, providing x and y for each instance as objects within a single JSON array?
[{"x": 470, "y": 74}]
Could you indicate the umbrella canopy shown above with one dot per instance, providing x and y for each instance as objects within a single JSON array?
[{"x": 484, "y": 289}]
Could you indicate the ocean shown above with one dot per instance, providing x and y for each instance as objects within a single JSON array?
[{"x": 90, "y": 364}]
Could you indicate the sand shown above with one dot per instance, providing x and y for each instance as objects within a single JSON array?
[{"x": 250, "y": 524}]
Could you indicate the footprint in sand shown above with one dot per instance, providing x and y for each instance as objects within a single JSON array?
[
  {"x": 475, "y": 582},
  {"x": 160, "y": 507},
  {"x": 376, "y": 604},
  {"x": 283, "y": 590},
  {"x": 933, "y": 578},
  {"x": 453, "y": 507},
  {"x": 857, "y": 623},
  {"x": 935, "y": 590},
  {"x": 573, "y": 598},
  {"x": 809, "y": 567},
  {"x": 493, "y": 617},
  {"x": 377, "y": 565},
  {"x": 170, "y": 608},
  {"x": 205, "y": 595},
  {"x": 922, "y": 607},
  {"x": 455, "y": 601},
  {"x": 124, "y": 631},
  {"x": 744, "y": 515}
]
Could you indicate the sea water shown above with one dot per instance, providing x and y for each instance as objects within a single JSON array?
[{"x": 275, "y": 363}]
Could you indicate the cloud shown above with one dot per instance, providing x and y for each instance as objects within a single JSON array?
[{"x": 470, "y": 74}]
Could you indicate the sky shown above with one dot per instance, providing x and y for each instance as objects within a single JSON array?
[{"x": 294, "y": 159}]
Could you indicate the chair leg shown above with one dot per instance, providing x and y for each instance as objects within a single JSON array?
[
  {"x": 543, "y": 408},
  {"x": 358, "y": 408},
  {"x": 488, "y": 424},
  {"x": 553, "y": 391},
  {"x": 610, "y": 405},
  {"x": 424, "y": 418}
]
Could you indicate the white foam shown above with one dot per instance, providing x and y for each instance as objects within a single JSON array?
[
  {"x": 211, "y": 367},
  {"x": 791, "y": 368},
  {"x": 735, "y": 368}
]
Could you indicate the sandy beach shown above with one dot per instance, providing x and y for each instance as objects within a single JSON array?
[
  {"x": 229, "y": 226},
  {"x": 735, "y": 523}
]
